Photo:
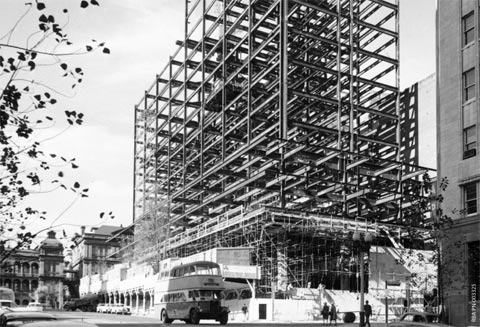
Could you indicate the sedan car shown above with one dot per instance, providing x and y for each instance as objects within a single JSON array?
[
  {"x": 120, "y": 308},
  {"x": 421, "y": 319},
  {"x": 35, "y": 306},
  {"x": 18, "y": 318},
  {"x": 101, "y": 307}
]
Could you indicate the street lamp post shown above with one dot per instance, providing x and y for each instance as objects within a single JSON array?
[{"x": 362, "y": 244}]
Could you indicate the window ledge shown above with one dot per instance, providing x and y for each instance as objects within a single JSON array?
[
  {"x": 469, "y": 101},
  {"x": 468, "y": 45}
]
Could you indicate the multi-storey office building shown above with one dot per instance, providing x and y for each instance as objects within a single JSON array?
[
  {"x": 277, "y": 125},
  {"x": 91, "y": 254},
  {"x": 458, "y": 70}
]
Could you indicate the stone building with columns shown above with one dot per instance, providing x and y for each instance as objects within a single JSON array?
[{"x": 36, "y": 274}]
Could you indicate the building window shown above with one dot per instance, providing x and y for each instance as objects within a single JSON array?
[
  {"x": 468, "y": 25},
  {"x": 470, "y": 198},
  {"x": 469, "y": 142},
  {"x": 469, "y": 85}
]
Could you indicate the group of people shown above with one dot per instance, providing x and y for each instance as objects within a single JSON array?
[{"x": 329, "y": 314}]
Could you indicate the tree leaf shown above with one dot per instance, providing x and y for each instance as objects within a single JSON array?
[
  {"x": 76, "y": 185},
  {"x": 64, "y": 66},
  {"x": 94, "y": 2},
  {"x": 102, "y": 214},
  {"x": 89, "y": 48},
  {"x": 40, "y": 5},
  {"x": 84, "y": 4},
  {"x": 106, "y": 50},
  {"x": 43, "y": 19}
]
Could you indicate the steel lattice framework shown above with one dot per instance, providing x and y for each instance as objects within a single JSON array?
[{"x": 275, "y": 120}]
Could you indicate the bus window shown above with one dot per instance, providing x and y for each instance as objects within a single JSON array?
[
  {"x": 206, "y": 294},
  {"x": 231, "y": 295},
  {"x": 189, "y": 270},
  {"x": 205, "y": 269},
  {"x": 246, "y": 294}
]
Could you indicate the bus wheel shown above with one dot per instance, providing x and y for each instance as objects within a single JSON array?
[
  {"x": 194, "y": 317},
  {"x": 164, "y": 317},
  {"x": 223, "y": 318}
]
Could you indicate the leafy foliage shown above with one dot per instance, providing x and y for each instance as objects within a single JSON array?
[{"x": 25, "y": 104}]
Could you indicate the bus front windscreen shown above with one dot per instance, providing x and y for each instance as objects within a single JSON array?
[{"x": 207, "y": 270}]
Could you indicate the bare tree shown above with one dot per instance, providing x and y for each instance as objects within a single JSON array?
[{"x": 26, "y": 106}]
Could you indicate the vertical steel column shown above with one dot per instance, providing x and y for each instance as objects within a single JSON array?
[
  {"x": 201, "y": 120},
  {"x": 145, "y": 128},
  {"x": 339, "y": 77},
  {"x": 169, "y": 154},
  {"x": 283, "y": 101},
  {"x": 156, "y": 216},
  {"x": 185, "y": 95},
  {"x": 397, "y": 107},
  {"x": 224, "y": 79},
  {"x": 250, "y": 40},
  {"x": 135, "y": 135}
]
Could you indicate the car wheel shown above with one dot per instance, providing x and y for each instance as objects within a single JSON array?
[
  {"x": 223, "y": 318},
  {"x": 164, "y": 317},
  {"x": 194, "y": 317}
]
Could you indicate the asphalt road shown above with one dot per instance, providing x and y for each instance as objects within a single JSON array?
[{"x": 109, "y": 320}]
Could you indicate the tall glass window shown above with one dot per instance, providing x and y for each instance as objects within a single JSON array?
[
  {"x": 470, "y": 198},
  {"x": 469, "y": 142},
  {"x": 468, "y": 25},
  {"x": 469, "y": 85}
]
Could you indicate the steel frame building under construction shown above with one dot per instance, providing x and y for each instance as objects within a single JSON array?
[{"x": 277, "y": 124}]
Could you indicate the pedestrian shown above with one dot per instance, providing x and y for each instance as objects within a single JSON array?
[
  {"x": 333, "y": 313},
  {"x": 325, "y": 313},
  {"x": 245, "y": 311},
  {"x": 367, "y": 308}
]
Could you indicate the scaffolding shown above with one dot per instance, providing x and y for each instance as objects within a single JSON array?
[{"x": 277, "y": 124}]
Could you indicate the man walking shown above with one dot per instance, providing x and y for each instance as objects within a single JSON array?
[
  {"x": 368, "y": 312},
  {"x": 325, "y": 313},
  {"x": 333, "y": 313}
]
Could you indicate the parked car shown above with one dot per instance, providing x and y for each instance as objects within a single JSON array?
[
  {"x": 35, "y": 306},
  {"x": 101, "y": 307},
  {"x": 18, "y": 318},
  {"x": 421, "y": 319},
  {"x": 120, "y": 308},
  {"x": 108, "y": 308}
]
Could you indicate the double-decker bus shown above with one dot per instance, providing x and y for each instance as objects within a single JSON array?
[
  {"x": 7, "y": 297},
  {"x": 190, "y": 292}
]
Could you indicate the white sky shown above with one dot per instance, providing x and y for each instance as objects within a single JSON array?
[{"x": 141, "y": 35}]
